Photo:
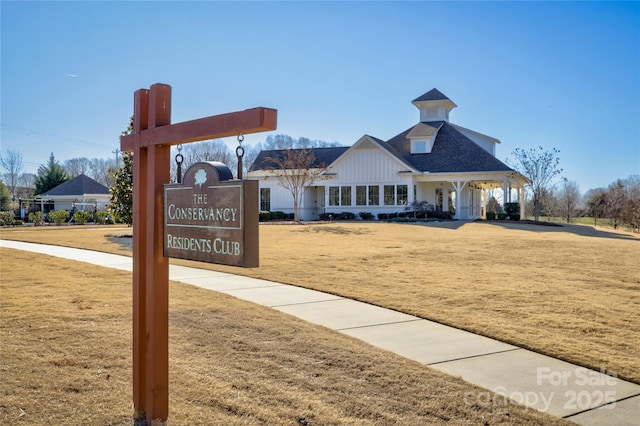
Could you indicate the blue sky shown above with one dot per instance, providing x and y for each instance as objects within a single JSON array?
[{"x": 561, "y": 75}]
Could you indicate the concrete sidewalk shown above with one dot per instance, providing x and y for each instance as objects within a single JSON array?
[{"x": 559, "y": 388}]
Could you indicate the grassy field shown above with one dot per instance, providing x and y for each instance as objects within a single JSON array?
[
  {"x": 65, "y": 358},
  {"x": 603, "y": 224},
  {"x": 599, "y": 222},
  {"x": 571, "y": 292}
]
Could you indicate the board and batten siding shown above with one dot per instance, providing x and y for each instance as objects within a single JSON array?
[
  {"x": 368, "y": 164},
  {"x": 281, "y": 199}
]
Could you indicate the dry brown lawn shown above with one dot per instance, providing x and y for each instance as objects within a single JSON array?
[
  {"x": 571, "y": 292},
  {"x": 65, "y": 358}
]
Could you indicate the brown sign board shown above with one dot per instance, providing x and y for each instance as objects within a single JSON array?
[{"x": 210, "y": 217}]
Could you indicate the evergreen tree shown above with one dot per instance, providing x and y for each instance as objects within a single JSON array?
[
  {"x": 5, "y": 197},
  {"x": 49, "y": 176},
  {"x": 122, "y": 189}
]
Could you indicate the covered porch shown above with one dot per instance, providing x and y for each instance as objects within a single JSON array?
[{"x": 467, "y": 195}]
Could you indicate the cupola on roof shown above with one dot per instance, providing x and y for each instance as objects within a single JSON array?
[{"x": 434, "y": 106}]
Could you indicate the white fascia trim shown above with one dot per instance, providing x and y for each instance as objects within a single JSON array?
[
  {"x": 367, "y": 138},
  {"x": 262, "y": 174},
  {"x": 478, "y": 176},
  {"x": 446, "y": 103}
]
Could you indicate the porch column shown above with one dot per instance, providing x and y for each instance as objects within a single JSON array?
[
  {"x": 458, "y": 186},
  {"x": 412, "y": 190},
  {"x": 483, "y": 203},
  {"x": 505, "y": 192},
  {"x": 521, "y": 199}
]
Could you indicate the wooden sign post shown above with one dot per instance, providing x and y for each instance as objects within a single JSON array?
[{"x": 151, "y": 140}]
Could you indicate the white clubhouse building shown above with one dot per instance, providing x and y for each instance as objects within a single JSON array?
[{"x": 445, "y": 165}]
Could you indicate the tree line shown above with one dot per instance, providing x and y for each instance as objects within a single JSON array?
[
  {"x": 191, "y": 153},
  {"x": 619, "y": 202},
  {"x": 51, "y": 174},
  {"x": 21, "y": 184}
]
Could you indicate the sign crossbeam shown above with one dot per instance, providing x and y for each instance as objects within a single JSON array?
[
  {"x": 150, "y": 142},
  {"x": 252, "y": 120}
]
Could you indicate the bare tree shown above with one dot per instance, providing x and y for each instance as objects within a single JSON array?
[
  {"x": 620, "y": 202},
  {"x": 276, "y": 142},
  {"x": 631, "y": 205},
  {"x": 96, "y": 168},
  {"x": 548, "y": 203},
  {"x": 11, "y": 163},
  {"x": 568, "y": 200},
  {"x": 595, "y": 203},
  {"x": 26, "y": 179},
  {"x": 296, "y": 170},
  {"x": 215, "y": 150},
  {"x": 631, "y": 214},
  {"x": 77, "y": 166},
  {"x": 99, "y": 170},
  {"x": 615, "y": 202},
  {"x": 541, "y": 167},
  {"x": 250, "y": 155}
]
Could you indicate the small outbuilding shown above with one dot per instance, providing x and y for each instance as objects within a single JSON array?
[{"x": 79, "y": 193}]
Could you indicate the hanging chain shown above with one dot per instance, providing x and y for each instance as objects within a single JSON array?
[
  {"x": 240, "y": 154},
  {"x": 179, "y": 161}
]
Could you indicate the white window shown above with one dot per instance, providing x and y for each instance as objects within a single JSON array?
[
  {"x": 389, "y": 195},
  {"x": 374, "y": 195},
  {"x": 265, "y": 199},
  {"x": 402, "y": 193},
  {"x": 419, "y": 147},
  {"x": 334, "y": 195},
  {"x": 361, "y": 195},
  {"x": 345, "y": 195},
  {"x": 339, "y": 195}
]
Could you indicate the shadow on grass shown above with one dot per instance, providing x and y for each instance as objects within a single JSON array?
[
  {"x": 330, "y": 229},
  {"x": 124, "y": 240},
  {"x": 582, "y": 230},
  {"x": 443, "y": 224}
]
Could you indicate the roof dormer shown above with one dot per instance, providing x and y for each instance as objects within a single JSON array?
[
  {"x": 422, "y": 138},
  {"x": 434, "y": 106}
]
